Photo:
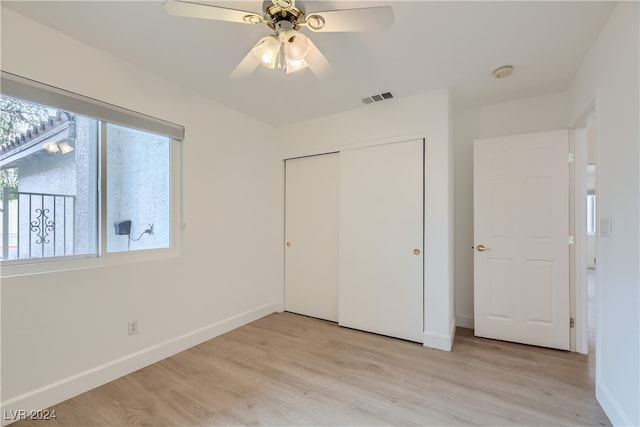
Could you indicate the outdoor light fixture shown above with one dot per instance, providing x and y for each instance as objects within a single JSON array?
[
  {"x": 52, "y": 148},
  {"x": 63, "y": 147}
]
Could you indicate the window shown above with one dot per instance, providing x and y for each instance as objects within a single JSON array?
[
  {"x": 138, "y": 189},
  {"x": 52, "y": 157},
  {"x": 591, "y": 214},
  {"x": 48, "y": 170}
]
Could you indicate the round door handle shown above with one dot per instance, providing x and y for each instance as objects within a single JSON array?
[
  {"x": 416, "y": 251},
  {"x": 288, "y": 244},
  {"x": 482, "y": 248}
]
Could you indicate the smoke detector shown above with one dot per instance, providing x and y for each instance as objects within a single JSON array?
[{"x": 502, "y": 72}]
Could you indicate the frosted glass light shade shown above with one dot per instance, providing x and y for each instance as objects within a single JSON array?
[
  {"x": 267, "y": 50},
  {"x": 295, "y": 65},
  {"x": 296, "y": 45}
]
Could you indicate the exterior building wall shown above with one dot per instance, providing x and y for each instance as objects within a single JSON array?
[
  {"x": 86, "y": 154},
  {"x": 74, "y": 216},
  {"x": 138, "y": 188}
]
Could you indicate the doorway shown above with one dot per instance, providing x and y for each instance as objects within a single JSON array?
[
  {"x": 584, "y": 287},
  {"x": 521, "y": 226}
]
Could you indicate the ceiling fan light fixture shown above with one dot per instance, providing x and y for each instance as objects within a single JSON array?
[
  {"x": 296, "y": 65},
  {"x": 284, "y": 48},
  {"x": 267, "y": 51},
  {"x": 296, "y": 45}
]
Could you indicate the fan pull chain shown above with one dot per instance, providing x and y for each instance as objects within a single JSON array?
[{"x": 281, "y": 64}]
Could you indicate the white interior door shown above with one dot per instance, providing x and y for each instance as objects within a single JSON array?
[
  {"x": 521, "y": 232},
  {"x": 381, "y": 239},
  {"x": 311, "y": 236}
]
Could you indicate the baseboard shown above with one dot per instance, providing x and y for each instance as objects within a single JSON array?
[
  {"x": 610, "y": 406},
  {"x": 438, "y": 341},
  {"x": 464, "y": 321},
  {"x": 59, "y": 391}
]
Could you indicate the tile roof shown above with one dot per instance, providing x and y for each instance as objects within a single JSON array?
[{"x": 36, "y": 134}]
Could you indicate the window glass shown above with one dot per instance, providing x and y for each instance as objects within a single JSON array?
[
  {"x": 48, "y": 176},
  {"x": 50, "y": 204},
  {"x": 138, "y": 188}
]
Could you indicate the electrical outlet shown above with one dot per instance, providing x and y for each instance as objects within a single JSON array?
[{"x": 133, "y": 327}]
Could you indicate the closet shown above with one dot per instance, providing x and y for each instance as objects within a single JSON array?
[
  {"x": 354, "y": 232},
  {"x": 311, "y": 236}
]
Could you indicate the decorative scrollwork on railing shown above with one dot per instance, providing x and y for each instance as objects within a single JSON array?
[{"x": 42, "y": 226}]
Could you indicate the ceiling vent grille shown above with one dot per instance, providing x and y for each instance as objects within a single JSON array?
[{"x": 377, "y": 98}]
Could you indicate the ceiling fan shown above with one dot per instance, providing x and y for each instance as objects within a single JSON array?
[{"x": 286, "y": 47}]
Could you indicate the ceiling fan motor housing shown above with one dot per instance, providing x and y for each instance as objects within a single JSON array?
[{"x": 280, "y": 17}]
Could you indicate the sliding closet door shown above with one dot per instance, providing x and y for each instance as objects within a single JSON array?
[
  {"x": 381, "y": 239},
  {"x": 311, "y": 236}
]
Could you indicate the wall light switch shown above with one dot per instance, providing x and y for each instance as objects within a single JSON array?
[{"x": 605, "y": 227}]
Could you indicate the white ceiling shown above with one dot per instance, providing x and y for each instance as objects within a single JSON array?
[{"x": 431, "y": 45}]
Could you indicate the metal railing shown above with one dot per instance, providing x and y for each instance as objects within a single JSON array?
[{"x": 37, "y": 225}]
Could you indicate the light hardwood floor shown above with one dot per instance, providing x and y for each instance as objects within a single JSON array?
[{"x": 291, "y": 370}]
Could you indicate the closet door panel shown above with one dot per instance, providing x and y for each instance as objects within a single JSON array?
[
  {"x": 311, "y": 236},
  {"x": 381, "y": 239}
]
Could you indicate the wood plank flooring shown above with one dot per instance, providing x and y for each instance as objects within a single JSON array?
[{"x": 291, "y": 370}]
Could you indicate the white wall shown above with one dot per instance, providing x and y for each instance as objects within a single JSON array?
[
  {"x": 608, "y": 81},
  {"x": 608, "y": 78},
  {"x": 66, "y": 332},
  {"x": 548, "y": 112},
  {"x": 422, "y": 116}
]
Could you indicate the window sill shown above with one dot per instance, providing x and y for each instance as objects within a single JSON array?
[{"x": 56, "y": 265}]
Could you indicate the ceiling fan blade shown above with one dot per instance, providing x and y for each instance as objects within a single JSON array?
[
  {"x": 198, "y": 10},
  {"x": 364, "y": 19},
  {"x": 246, "y": 66},
  {"x": 316, "y": 61}
]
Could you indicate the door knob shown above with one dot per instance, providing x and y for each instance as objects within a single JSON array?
[
  {"x": 288, "y": 244},
  {"x": 416, "y": 251},
  {"x": 482, "y": 248}
]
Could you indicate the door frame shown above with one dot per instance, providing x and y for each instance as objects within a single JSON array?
[
  {"x": 439, "y": 318},
  {"x": 579, "y": 335}
]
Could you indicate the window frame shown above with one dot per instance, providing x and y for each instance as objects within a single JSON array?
[{"x": 36, "y": 92}]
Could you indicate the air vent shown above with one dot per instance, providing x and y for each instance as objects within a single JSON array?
[{"x": 377, "y": 98}]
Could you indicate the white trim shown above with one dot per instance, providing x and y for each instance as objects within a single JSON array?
[
  {"x": 464, "y": 321},
  {"x": 74, "y": 385},
  {"x": 579, "y": 302},
  {"x": 350, "y": 146},
  {"x": 611, "y": 407},
  {"x": 440, "y": 342},
  {"x": 579, "y": 295}
]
